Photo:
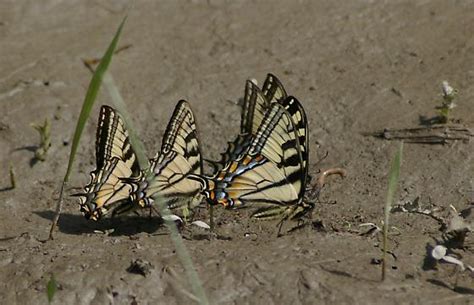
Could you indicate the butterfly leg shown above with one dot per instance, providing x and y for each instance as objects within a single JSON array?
[
  {"x": 280, "y": 225},
  {"x": 211, "y": 218}
]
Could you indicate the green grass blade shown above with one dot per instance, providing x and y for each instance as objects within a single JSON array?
[
  {"x": 176, "y": 238},
  {"x": 51, "y": 288},
  {"x": 119, "y": 104},
  {"x": 91, "y": 96},
  {"x": 183, "y": 255},
  {"x": 392, "y": 187},
  {"x": 89, "y": 100}
]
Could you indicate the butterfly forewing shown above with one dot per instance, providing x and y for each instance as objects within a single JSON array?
[
  {"x": 278, "y": 140},
  {"x": 113, "y": 141},
  {"x": 253, "y": 110},
  {"x": 273, "y": 89},
  {"x": 256, "y": 103},
  {"x": 116, "y": 162},
  {"x": 180, "y": 156},
  {"x": 298, "y": 118}
]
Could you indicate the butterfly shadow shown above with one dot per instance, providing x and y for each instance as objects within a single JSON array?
[
  {"x": 6, "y": 189},
  {"x": 75, "y": 224},
  {"x": 455, "y": 288}
]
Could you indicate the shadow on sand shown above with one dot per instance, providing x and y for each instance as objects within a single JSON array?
[{"x": 75, "y": 224}]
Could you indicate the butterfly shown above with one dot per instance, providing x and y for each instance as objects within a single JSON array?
[
  {"x": 119, "y": 185},
  {"x": 271, "y": 174},
  {"x": 115, "y": 161},
  {"x": 167, "y": 178}
]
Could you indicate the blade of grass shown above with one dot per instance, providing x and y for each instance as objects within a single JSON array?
[
  {"x": 119, "y": 104},
  {"x": 183, "y": 255},
  {"x": 89, "y": 100},
  {"x": 176, "y": 238},
  {"x": 12, "y": 176},
  {"x": 392, "y": 187},
  {"x": 51, "y": 288}
]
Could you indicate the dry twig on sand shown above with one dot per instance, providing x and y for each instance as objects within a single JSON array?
[{"x": 435, "y": 134}]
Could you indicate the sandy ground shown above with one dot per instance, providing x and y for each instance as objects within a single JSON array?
[{"x": 356, "y": 66}]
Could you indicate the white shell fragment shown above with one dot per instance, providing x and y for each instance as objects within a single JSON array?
[
  {"x": 447, "y": 89},
  {"x": 172, "y": 217},
  {"x": 201, "y": 224},
  {"x": 453, "y": 260},
  {"x": 438, "y": 252}
]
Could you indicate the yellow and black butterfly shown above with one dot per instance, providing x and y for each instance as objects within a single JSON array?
[
  {"x": 255, "y": 103},
  {"x": 115, "y": 161},
  {"x": 119, "y": 185},
  {"x": 271, "y": 174},
  {"x": 167, "y": 178}
]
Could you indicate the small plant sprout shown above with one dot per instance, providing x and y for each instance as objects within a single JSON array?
[
  {"x": 186, "y": 214},
  {"x": 45, "y": 139},
  {"x": 51, "y": 288},
  {"x": 12, "y": 177},
  {"x": 392, "y": 187},
  {"x": 201, "y": 224},
  {"x": 448, "y": 102}
]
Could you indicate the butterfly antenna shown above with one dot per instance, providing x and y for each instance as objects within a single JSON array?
[{"x": 322, "y": 159}]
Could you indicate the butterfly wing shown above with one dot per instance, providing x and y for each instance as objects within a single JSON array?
[
  {"x": 116, "y": 161},
  {"x": 113, "y": 140},
  {"x": 273, "y": 89},
  {"x": 256, "y": 103},
  {"x": 180, "y": 156},
  {"x": 272, "y": 170}
]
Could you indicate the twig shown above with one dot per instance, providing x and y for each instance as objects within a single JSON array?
[
  {"x": 392, "y": 187},
  {"x": 313, "y": 192},
  {"x": 91, "y": 62},
  {"x": 436, "y": 134},
  {"x": 332, "y": 171},
  {"x": 57, "y": 212}
]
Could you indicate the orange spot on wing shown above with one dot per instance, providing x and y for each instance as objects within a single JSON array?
[
  {"x": 259, "y": 158},
  {"x": 233, "y": 167},
  {"x": 224, "y": 202}
]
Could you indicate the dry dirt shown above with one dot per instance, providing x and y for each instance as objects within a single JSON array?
[{"x": 356, "y": 66}]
